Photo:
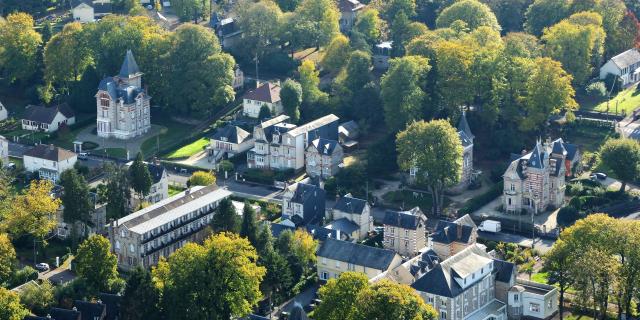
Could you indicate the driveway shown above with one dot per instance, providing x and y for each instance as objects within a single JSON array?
[{"x": 133, "y": 145}]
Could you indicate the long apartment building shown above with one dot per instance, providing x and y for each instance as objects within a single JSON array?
[
  {"x": 280, "y": 145},
  {"x": 141, "y": 238}
]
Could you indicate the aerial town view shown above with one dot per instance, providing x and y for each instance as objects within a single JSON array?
[{"x": 319, "y": 159}]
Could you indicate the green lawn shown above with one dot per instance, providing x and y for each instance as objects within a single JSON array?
[
  {"x": 172, "y": 133},
  {"x": 627, "y": 100},
  {"x": 114, "y": 152},
  {"x": 540, "y": 277},
  {"x": 407, "y": 200},
  {"x": 189, "y": 150},
  {"x": 173, "y": 190}
]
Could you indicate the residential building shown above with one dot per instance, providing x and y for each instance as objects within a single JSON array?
[
  {"x": 624, "y": 65},
  {"x": 405, "y": 232},
  {"x": 85, "y": 11},
  {"x": 281, "y": 146},
  {"x": 238, "y": 78},
  {"x": 95, "y": 225},
  {"x": 91, "y": 310},
  {"x": 355, "y": 210},
  {"x": 266, "y": 94},
  {"x": 303, "y": 203},
  {"x": 227, "y": 142},
  {"x": 349, "y": 10},
  {"x": 573, "y": 157},
  {"x": 449, "y": 238},
  {"x": 4, "y": 114},
  {"x": 411, "y": 270},
  {"x": 66, "y": 314},
  {"x": 47, "y": 119},
  {"x": 336, "y": 256},
  {"x": 122, "y": 104},
  {"x": 348, "y": 132},
  {"x": 529, "y": 299},
  {"x": 159, "y": 184},
  {"x": 535, "y": 181},
  {"x": 141, "y": 238},
  {"x": 466, "y": 139},
  {"x": 323, "y": 158},
  {"x": 226, "y": 30},
  {"x": 49, "y": 161},
  {"x": 381, "y": 55},
  {"x": 4, "y": 151}
]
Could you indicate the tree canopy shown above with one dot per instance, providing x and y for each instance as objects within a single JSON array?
[
  {"x": 472, "y": 12},
  {"x": 96, "y": 264},
  {"x": 140, "y": 176},
  {"x": 10, "y": 307},
  {"x": 19, "y": 44},
  {"x": 75, "y": 198},
  {"x": 622, "y": 156},
  {"x": 291, "y": 97},
  {"x": 202, "y": 178}
]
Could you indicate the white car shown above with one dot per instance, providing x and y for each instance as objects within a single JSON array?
[{"x": 42, "y": 266}]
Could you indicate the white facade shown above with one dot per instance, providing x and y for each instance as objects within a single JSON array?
[
  {"x": 48, "y": 167},
  {"x": 83, "y": 13},
  {"x": 532, "y": 300},
  {"x": 266, "y": 94},
  {"x": 4, "y": 150},
  {"x": 625, "y": 66},
  {"x": 4, "y": 114},
  {"x": 251, "y": 108}
]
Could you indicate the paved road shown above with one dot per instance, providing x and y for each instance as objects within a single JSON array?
[{"x": 542, "y": 245}]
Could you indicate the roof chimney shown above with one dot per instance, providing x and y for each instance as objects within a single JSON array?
[
  {"x": 52, "y": 147},
  {"x": 459, "y": 229},
  {"x": 74, "y": 309}
]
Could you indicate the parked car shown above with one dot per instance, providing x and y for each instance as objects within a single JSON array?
[
  {"x": 83, "y": 156},
  {"x": 599, "y": 176},
  {"x": 42, "y": 266},
  {"x": 490, "y": 226}
]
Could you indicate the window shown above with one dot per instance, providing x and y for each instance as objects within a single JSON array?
[
  {"x": 132, "y": 249},
  {"x": 534, "y": 307},
  {"x": 338, "y": 264},
  {"x": 406, "y": 233},
  {"x": 392, "y": 230},
  {"x": 391, "y": 243},
  {"x": 429, "y": 299},
  {"x": 406, "y": 244},
  {"x": 516, "y": 298},
  {"x": 351, "y": 267},
  {"x": 443, "y": 315},
  {"x": 324, "y": 276}
]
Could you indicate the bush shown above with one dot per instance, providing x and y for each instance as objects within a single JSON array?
[
  {"x": 477, "y": 202},
  {"x": 596, "y": 89},
  {"x": 567, "y": 216},
  {"x": 497, "y": 171},
  {"x": 575, "y": 189},
  {"x": 23, "y": 276},
  {"x": 613, "y": 81}
]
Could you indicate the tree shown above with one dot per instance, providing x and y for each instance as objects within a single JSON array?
[
  {"x": 82, "y": 97},
  {"x": 249, "y": 226},
  {"x": 510, "y": 13},
  {"x": 291, "y": 97},
  {"x": 435, "y": 150},
  {"x": 7, "y": 258},
  {"x": 369, "y": 24},
  {"x": 140, "y": 176},
  {"x": 622, "y": 156},
  {"x": 626, "y": 35},
  {"x": 549, "y": 92},
  {"x": 219, "y": 280},
  {"x": 33, "y": 211},
  {"x": 386, "y": 297},
  {"x": 558, "y": 263},
  {"x": 577, "y": 43},
  {"x": 336, "y": 54},
  {"x": 454, "y": 61},
  {"x": 38, "y": 297},
  {"x": 66, "y": 55},
  {"x": 340, "y": 296},
  {"x": 316, "y": 22},
  {"x": 472, "y": 12},
  {"x": 75, "y": 198},
  {"x": 300, "y": 250},
  {"x": 545, "y": 13},
  {"x": 226, "y": 218},
  {"x": 19, "y": 49},
  {"x": 520, "y": 44},
  {"x": 96, "y": 264},
  {"x": 202, "y": 178},
  {"x": 309, "y": 80},
  {"x": 288, "y": 5},
  {"x": 10, "y": 307},
  {"x": 260, "y": 25},
  {"x": 188, "y": 10},
  {"x": 118, "y": 192},
  {"x": 402, "y": 92},
  {"x": 394, "y": 7},
  {"x": 141, "y": 298},
  {"x": 264, "y": 113}
]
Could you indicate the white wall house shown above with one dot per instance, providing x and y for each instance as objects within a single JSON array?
[
  {"x": 625, "y": 65},
  {"x": 47, "y": 119},
  {"x": 82, "y": 11},
  {"x": 229, "y": 141},
  {"x": 323, "y": 158},
  {"x": 266, "y": 94},
  {"x": 49, "y": 161},
  {"x": 4, "y": 114}
]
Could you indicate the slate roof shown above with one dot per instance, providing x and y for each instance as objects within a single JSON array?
[
  {"x": 310, "y": 196},
  {"x": 463, "y": 125},
  {"x": 75, "y": 3},
  {"x": 297, "y": 313},
  {"x": 505, "y": 269},
  {"x": 266, "y": 92},
  {"x": 464, "y": 139},
  {"x": 47, "y": 114},
  {"x": 112, "y": 301},
  {"x": 349, "y": 204},
  {"x": 277, "y": 229},
  {"x": 324, "y": 146},
  {"x": 321, "y": 233},
  {"x": 343, "y": 225},
  {"x": 350, "y": 5},
  {"x": 36, "y": 318},
  {"x": 90, "y": 310},
  {"x": 49, "y": 152},
  {"x": 129, "y": 68},
  {"x": 102, "y": 7},
  {"x": 626, "y": 58},
  {"x": 315, "y": 124},
  {"x": 357, "y": 254},
  {"x": 570, "y": 150},
  {"x": 232, "y": 134},
  {"x": 156, "y": 171},
  {"x": 349, "y": 129},
  {"x": 64, "y": 314},
  {"x": 410, "y": 219},
  {"x": 447, "y": 232},
  {"x": 127, "y": 93}
]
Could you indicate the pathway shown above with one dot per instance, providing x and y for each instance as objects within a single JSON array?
[{"x": 133, "y": 145}]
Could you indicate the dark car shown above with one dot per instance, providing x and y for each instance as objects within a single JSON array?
[{"x": 599, "y": 175}]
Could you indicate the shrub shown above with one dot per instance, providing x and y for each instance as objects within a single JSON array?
[
  {"x": 22, "y": 276},
  {"x": 567, "y": 216},
  {"x": 225, "y": 165},
  {"x": 613, "y": 81},
  {"x": 596, "y": 89},
  {"x": 575, "y": 189},
  {"x": 279, "y": 62},
  {"x": 477, "y": 202}
]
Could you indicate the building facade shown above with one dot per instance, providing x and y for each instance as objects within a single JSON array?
[
  {"x": 141, "y": 238},
  {"x": 49, "y": 161},
  {"x": 449, "y": 238},
  {"x": 4, "y": 151},
  {"x": 624, "y": 66},
  {"x": 229, "y": 141},
  {"x": 355, "y": 210},
  {"x": 123, "y": 106},
  {"x": 405, "y": 232},
  {"x": 349, "y": 10},
  {"x": 323, "y": 158},
  {"x": 535, "y": 181},
  {"x": 303, "y": 203},
  {"x": 337, "y": 256},
  {"x": 47, "y": 119},
  {"x": 266, "y": 94}
]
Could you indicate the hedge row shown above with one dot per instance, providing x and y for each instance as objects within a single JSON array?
[{"x": 479, "y": 201}]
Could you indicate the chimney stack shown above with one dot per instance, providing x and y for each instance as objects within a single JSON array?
[{"x": 459, "y": 229}]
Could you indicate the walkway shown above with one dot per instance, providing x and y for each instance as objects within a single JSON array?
[{"x": 133, "y": 145}]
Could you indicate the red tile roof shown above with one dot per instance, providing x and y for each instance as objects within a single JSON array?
[{"x": 266, "y": 92}]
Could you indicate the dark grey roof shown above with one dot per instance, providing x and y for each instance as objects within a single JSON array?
[
  {"x": 64, "y": 314},
  {"x": 463, "y": 125},
  {"x": 321, "y": 233},
  {"x": 537, "y": 158},
  {"x": 350, "y": 126},
  {"x": 447, "y": 232},
  {"x": 112, "y": 301},
  {"x": 75, "y": 3},
  {"x": 570, "y": 149},
  {"x": 324, "y": 146},
  {"x": 349, "y": 204},
  {"x": 36, "y": 318},
  {"x": 435, "y": 282},
  {"x": 277, "y": 229},
  {"x": 102, "y": 8},
  {"x": 310, "y": 196},
  {"x": 127, "y": 93},
  {"x": 156, "y": 171},
  {"x": 357, "y": 254},
  {"x": 505, "y": 270},
  {"x": 91, "y": 310},
  {"x": 558, "y": 147},
  {"x": 256, "y": 317},
  {"x": 297, "y": 313},
  {"x": 49, "y": 152},
  {"x": 464, "y": 139},
  {"x": 129, "y": 66},
  {"x": 343, "y": 225},
  {"x": 232, "y": 134},
  {"x": 411, "y": 219},
  {"x": 626, "y": 58},
  {"x": 46, "y": 115}
]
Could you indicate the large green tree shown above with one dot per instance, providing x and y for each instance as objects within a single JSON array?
[
  {"x": 66, "y": 55},
  {"x": 75, "y": 197},
  {"x": 218, "y": 280},
  {"x": 32, "y": 212},
  {"x": 188, "y": 10},
  {"x": 435, "y": 150},
  {"x": 118, "y": 191},
  {"x": 10, "y": 307},
  {"x": 225, "y": 218},
  {"x": 336, "y": 54},
  {"x": 141, "y": 298},
  {"x": 291, "y": 97},
  {"x": 472, "y": 12},
  {"x": 316, "y": 22},
  {"x": 249, "y": 226},
  {"x": 402, "y": 91},
  {"x": 202, "y": 178},
  {"x": 510, "y": 13},
  {"x": 7, "y": 257},
  {"x": 340, "y": 296},
  {"x": 96, "y": 264},
  {"x": 38, "y": 298},
  {"x": 19, "y": 44},
  {"x": 545, "y": 13},
  {"x": 369, "y": 24},
  {"x": 622, "y": 156},
  {"x": 140, "y": 177},
  {"x": 260, "y": 25}
]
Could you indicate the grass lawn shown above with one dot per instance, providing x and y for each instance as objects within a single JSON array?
[
  {"x": 173, "y": 190},
  {"x": 540, "y": 277},
  {"x": 114, "y": 152},
  {"x": 189, "y": 150},
  {"x": 407, "y": 200},
  {"x": 627, "y": 101},
  {"x": 172, "y": 133}
]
